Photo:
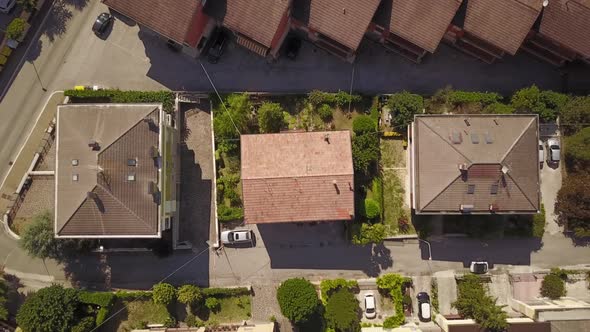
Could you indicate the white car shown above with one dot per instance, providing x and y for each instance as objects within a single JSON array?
[
  {"x": 370, "y": 307},
  {"x": 6, "y": 5},
  {"x": 541, "y": 153},
  {"x": 479, "y": 267},
  {"x": 553, "y": 150},
  {"x": 236, "y": 236}
]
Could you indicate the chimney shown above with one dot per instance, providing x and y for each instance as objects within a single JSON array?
[
  {"x": 327, "y": 138},
  {"x": 94, "y": 145}
]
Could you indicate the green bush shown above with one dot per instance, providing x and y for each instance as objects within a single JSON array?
[
  {"x": 403, "y": 106},
  {"x": 342, "y": 311},
  {"x": 133, "y": 295},
  {"x": 226, "y": 213},
  {"x": 298, "y": 300},
  {"x": 190, "y": 295},
  {"x": 212, "y": 304},
  {"x": 547, "y": 104},
  {"x": 393, "y": 283},
  {"x": 553, "y": 286},
  {"x": 473, "y": 302},
  {"x": 325, "y": 112},
  {"x": 166, "y": 98},
  {"x": 86, "y": 324},
  {"x": 225, "y": 292},
  {"x": 270, "y": 118},
  {"x": 328, "y": 286},
  {"x": 103, "y": 299},
  {"x": 369, "y": 233},
  {"x": 577, "y": 150},
  {"x": 170, "y": 322},
  {"x": 498, "y": 108},
  {"x": 163, "y": 293},
  {"x": 365, "y": 152},
  {"x": 340, "y": 98},
  {"x": 458, "y": 98},
  {"x": 372, "y": 209},
  {"x": 52, "y": 309},
  {"x": 364, "y": 124},
  {"x": 232, "y": 120},
  {"x": 16, "y": 28},
  {"x": 575, "y": 115}
]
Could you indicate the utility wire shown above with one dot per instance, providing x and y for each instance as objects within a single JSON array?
[{"x": 219, "y": 96}]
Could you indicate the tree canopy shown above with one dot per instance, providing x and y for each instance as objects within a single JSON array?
[
  {"x": 39, "y": 240},
  {"x": 575, "y": 115},
  {"x": 365, "y": 152},
  {"x": 298, "y": 299},
  {"x": 51, "y": 309},
  {"x": 342, "y": 311},
  {"x": 577, "y": 149},
  {"x": 573, "y": 204},
  {"x": 163, "y": 293},
  {"x": 232, "y": 120},
  {"x": 190, "y": 295},
  {"x": 547, "y": 104},
  {"x": 364, "y": 124},
  {"x": 271, "y": 118},
  {"x": 404, "y": 105}
]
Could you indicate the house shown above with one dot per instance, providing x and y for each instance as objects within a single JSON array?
[
  {"x": 478, "y": 164},
  {"x": 182, "y": 21},
  {"x": 337, "y": 26},
  {"x": 260, "y": 26},
  {"x": 413, "y": 28},
  {"x": 564, "y": 33},
  {"x": 114, "y": 171},
  {"x": 491, "y": 29},
  {"x": 297, "y": 177}
]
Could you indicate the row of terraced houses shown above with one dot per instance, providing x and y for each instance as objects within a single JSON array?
[{"x": 556, "y": 31}]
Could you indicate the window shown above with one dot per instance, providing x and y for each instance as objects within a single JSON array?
[
  {"x": 494, "y": 189},
  {"x": 132, "y": 162},
  {"x": 470, "y": 189},
  {"x": 74, "y": 177},
  {"x": 131, "y": 177},
  {"x": 74, "y": 162}
]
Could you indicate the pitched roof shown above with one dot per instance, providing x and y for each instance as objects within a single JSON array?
[
  {"x": 258, "y": 20},
  {"x": 291, "y": 177},
  {"x": 568, "y": 22},
  {"x": 102, "y": 201},
  {"x": 422, "y": 22},
  {"x": 503, "y": 23},
  {"x": 170, "y": 18},
  {"x": 496, "y": 150},
  {"x": 344, "y": 21}
]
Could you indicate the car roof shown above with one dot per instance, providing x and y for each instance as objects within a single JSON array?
[
  {"x": 425, "y": 309},
  {"x": 370, "y": 300}
]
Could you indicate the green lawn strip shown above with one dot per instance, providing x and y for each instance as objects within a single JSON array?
[
  {"x": 343, "y": 121},
  {"x": 392, "y": 153},
  {"x": 233, "y": 309},
  {"x": 393, "y": 196},
  {"x": 140, "y": 313}
]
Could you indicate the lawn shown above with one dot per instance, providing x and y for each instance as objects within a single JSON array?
[
  {"x": 140, "y": 313},
  {"x": 393, "y": 154},
  {"x": 233, "y": 310},
  {"x": 394, "y": 208},
  {"x": 343, "y": 120}
]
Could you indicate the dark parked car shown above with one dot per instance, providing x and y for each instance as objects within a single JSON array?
[
  {"x": 292, "y": 47},
  {"x": 102, "y": 23},
  {"x": 423, "y": 307},
  {"x": 219, "y": 40}
]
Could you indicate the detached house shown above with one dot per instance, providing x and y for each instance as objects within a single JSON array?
[
  {"x": 479, "y": 164},
  {"x": 492, "y": 29},
  {"x": 115, "y": 175},
  {"x": 337, "y": 26},
  {"x": 413, "y": 28},
  {"x": 297, "y": 177},
  {"x": 564, "y": 32}
]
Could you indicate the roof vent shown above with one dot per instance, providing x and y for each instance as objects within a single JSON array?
[
  {"x": 467, "y": 122},
  {"x": 131, "y": 177},
  {"x": 75, "y": 162},
  {"x": 327, "y": 138},
  {"x": 505, "y": 169},
  {"x": 94, "y": 145},
  {"x": 462, "y": 167},
  {"x": 132, "y": 162},
  {"x": 545, "y": 3},
  {"x": 456, "y": 137},
  {"x": 75, "y": 177}
]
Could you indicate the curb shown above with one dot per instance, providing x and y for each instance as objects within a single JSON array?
[{"x": 7, "y": 228}]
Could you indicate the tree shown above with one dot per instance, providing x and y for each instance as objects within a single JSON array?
[
  {"x": 190, "y": 295},
  {"x": 473, "y": 302},
  {"x": 39, "y": 240},
  {"x": 404, "y": 105},
  {"x": 553, "y": 286},
  {"x": 572, "y": 205},
  {"x": 163, "y": 293},
  {"x": 370, "y": 233},
  {"x": 364, "y": 124},
  {"x": 85, "y": 325},
  {"x": 232, "y": 120},
  {"x": 575, "y": 115},
  {"x": 212, "y": 304},
  {"x": 365, "y": 152},
  {"x": 51, "y": 309},
  {"x": 577, "y": 149},
  {"x": 270, "y": 118},
  {"x": 547, "y": 104},
  {"x": 298, "y": 300},
  {"x": 28, "y": 5},
  {"x": 16, "y": 28},
  {"x": 342, "y": 311}
]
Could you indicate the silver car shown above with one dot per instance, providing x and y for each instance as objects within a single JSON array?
[
  {"x": 236, "y": 236},
  {"x": 541, "y": 153},
  {"x": 553, "y": 150},
  {"x": 370, "y": 306}
]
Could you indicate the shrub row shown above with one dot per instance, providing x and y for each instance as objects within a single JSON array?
[
  {"x": 103, "y": 299},
  {"x": 225, "y": 292},
  {"x": 339, "y": 98},
  {"x": 120, "y": 96}
]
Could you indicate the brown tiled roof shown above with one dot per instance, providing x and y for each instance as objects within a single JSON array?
[
  {"x": 503, "y": 23},
  {"x": 103, "y": 202},
  {"x": 344, "y": 21},
  {"x": 258, "y": 20},
  {"x": 499, "y": 151},
  {"x": 170, "y": 18},
  {"x": 292, "y": 177},
  {"x": 568, "y": 23},
  {"x": 422, "y": 22}
]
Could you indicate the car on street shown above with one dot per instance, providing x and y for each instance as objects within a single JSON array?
[
  {"x": 6, "y": 5},
  {"x": 292, "y": 47},
  {"x": 541, "y": 153},
  {"x": 370, "y": 306},
  {"x": 423, "y": 307},
  {"x": 219, "y": 40},
  {"x": 236, "y": 236},
  {"x": 553, "y": 150},
  {"x": 101, "y": 24},
  {"x": 479, "y": 267}
]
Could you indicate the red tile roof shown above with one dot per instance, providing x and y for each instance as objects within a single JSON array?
[
  {"x": 297, "y": 177},
  {"x": 422, "y": 22},
  {"x": 344, "y": 21},
  {"x": 568, "y": 23},
  {"x": 503, "y": 23},
  {"x": 258, "y": 20},
  {"x": 170, "y": 18}
]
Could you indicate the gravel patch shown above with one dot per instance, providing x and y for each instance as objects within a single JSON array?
[{"x": 265, "y": 305}]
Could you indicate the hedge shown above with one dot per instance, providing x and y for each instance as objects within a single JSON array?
[
  {"x": 103, "y": 299},
  {"x": 339, "y": 98},
  {"x": 226, "y": 213},
  {"x": 133, "y": 295},
  {"x": 124, "y": 97},
  {"x": 225, "y": 292}
]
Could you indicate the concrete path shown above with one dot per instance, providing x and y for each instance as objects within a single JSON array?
[{"x": 447, "y": 291}]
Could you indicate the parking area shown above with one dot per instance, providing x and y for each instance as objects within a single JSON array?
[
  {"x": 384, "y": 306},
  {"x": 551, "y": 177}
]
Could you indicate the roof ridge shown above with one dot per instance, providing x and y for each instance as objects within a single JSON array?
[
  {"x": 515, "y": 142},
  {"x": 123, "y": 205}
]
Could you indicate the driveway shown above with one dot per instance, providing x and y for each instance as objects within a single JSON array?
[
  {"x": 550, "y": 185},
  {"x": 447, "y": 291},
  {"x": 420, "y": 284}
]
